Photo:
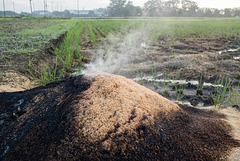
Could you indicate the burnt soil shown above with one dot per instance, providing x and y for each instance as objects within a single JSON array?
[
  {"x": 185, "y": 59},
  {"x": 100, "y": 116}
]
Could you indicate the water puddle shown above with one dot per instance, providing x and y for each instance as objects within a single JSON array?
[
  {"x": 182, "y": 82},
  {"x": 143, "y": 45},
  {"x": 228, "y": 50},
  {"x": 236, "y": 57}
]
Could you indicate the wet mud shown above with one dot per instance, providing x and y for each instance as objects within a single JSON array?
[{"x": 184, "y": 65}]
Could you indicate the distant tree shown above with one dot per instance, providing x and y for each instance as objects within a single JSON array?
[
  {"x": 153, "y": 8},
  {"x": 122, "y": 8},
  {"x": 227, "y": 12},
  {"x": 208, "y": 13},
  {"x": 236, "y": 12},
  {"x": 171, "y": 8},
  {"x": 91, "y": 14},
  {"x": 22, "y": 14},
  {"x": 131, "y": 10},
  {"x": 189, "y": 7},
  {"x": 58, "y": 14},
  {"x": 8, "y": 14},
  {"x": 116, "y": 8},
  {"x": 216, "y": 13},
  {"x": 67, "y": 13}
]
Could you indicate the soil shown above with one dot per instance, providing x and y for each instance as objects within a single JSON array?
[
  {"x": 98, "y": 116},
  {"x": 108, "y": 136},
  {"x": 14, "y": 75},
  {"x": 189, "y": 57},
  {"x": 184, "y": 59}
]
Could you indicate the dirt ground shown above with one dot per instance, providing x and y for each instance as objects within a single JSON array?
[
  {"x": 189, "y": 57},
  {"x": 184, "y": 59},
  {"x": 180, "y": 62},
  {"x": 14, "y": 75},
  {"x": 101, "y": 116}
]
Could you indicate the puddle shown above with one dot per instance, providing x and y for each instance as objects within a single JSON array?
[
  {"x": 229, "y": 50},
  {"x": 143, "y": 45},
  {"x": 183, "y": 82},
  {"x": 236, "y": 57},
  {"x": 200, "y": 104}
]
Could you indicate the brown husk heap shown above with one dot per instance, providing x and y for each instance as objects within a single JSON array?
[{"x": 99, "y": 116}]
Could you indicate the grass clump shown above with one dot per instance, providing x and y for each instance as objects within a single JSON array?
[{"x": 222, "y": 86}]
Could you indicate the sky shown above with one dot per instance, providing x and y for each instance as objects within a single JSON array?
[{"x": 23, "y": 5}]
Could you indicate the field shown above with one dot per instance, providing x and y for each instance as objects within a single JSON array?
[{"x": 195, "y": 60}]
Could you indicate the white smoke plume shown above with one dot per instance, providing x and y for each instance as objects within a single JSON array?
[{"x": 118, "y": 51}]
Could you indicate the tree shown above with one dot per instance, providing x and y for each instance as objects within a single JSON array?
[
  {"x": 227, "y": 12},
  {"x": 189, "y": 7},
  {"x": 116, "y": 8},
  {"x": 236, "y": 12},
  {"x": 153, "y": 8},
  {"x": 122, "y": 8},
  {"x": 216, "y": 13},
  {"x": 131, "y": 10},
  {"x": 171, "y": 8},
  {"x": 91, "y": 14},
  {"x": 208, "y": 12}
]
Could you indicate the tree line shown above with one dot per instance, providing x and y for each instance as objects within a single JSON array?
[
  {"x": 170, "y": 8},
  {"x": 152, "y": 8}
]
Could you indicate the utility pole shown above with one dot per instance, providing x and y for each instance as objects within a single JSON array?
[
  {"x": 78, "y": 8},
  {"x": 4, "y": 12},
  {"x": 45, "y": 6},
  {"x": 14, "y": 10},
  {"x": 52, "y": 6},
  {"x": 31, "y": 6}
]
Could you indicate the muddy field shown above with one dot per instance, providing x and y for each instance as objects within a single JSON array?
[
  {"x": 176, "y": 69},
  {"x": 184, "y": 64},
  {"x": 186, "y": 69}
]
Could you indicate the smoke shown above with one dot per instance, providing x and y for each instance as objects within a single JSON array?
[{"x": 118, "y": 50}]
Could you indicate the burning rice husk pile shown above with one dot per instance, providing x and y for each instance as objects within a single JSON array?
[{"x": 99, "y": 116}]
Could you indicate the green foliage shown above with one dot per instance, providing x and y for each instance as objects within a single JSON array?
[
  {"x": 220, "y": 92},
  {"x": 154, "y": 74},
  {"x": 166, "y": 81},
  {"x": 31, "y": 35},
  {"x": 140, "y": 75},
  {"x": 234, "y": 97},
  {"x": 200, "y": 83},
  {"x": 179, "y": 92},
  {"x": 92, "y": 34}
]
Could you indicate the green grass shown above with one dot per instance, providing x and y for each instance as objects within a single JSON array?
[
  {"x": 29, "y": 36},
  {"x": 32, "y": 35},
  {"x": 219, "y": 96}
]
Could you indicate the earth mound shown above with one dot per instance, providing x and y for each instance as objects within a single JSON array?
[{"x": 99, "y": 116}]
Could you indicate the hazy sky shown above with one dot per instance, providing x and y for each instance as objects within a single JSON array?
[{"x": 23, "y": 5}]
